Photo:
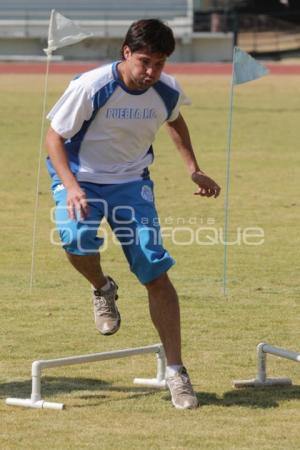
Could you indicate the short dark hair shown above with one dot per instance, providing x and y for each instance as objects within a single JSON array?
[{"x": 150, "y": 34}]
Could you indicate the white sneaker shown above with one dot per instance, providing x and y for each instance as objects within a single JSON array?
[
  {"x": 182, "y": 393},
  {"x": 107, "y": 316}
]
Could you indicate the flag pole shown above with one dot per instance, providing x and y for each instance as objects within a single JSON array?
[
  {"x": 61, "y": 33},
  {"x": 38, "y": 175},
  {"x": 226, "y": 203}
]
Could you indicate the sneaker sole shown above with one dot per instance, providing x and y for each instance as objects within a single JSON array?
[
  {"x": 113, "y": 331},
  {"x": 186, "y": 407}
]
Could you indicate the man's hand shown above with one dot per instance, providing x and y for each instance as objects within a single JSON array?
[
  {"x": 76, "y": 199},
  {"x": 77, "y": 202},
  {"x": 207, "y": 186}
]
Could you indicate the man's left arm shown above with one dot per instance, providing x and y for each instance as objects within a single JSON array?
[{"x": 180, "y": 135}]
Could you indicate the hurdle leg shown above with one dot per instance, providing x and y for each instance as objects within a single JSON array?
[
  {"x": 261, "y": 379},
  {"x": 36, "y": 400},
  {"x": 159, "y": 381}
]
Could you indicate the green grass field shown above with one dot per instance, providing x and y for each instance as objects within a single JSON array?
[{"x": 104, "y": 410}]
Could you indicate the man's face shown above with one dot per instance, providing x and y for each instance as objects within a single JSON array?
[{"x": 143, "y": 68}]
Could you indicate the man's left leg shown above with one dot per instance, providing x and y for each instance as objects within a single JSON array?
[
  {"x": 165, "y": 315},
  {"x": 136, "y": 225}
]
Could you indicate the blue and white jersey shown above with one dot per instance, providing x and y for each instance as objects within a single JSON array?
[{"x": 109, "y": 129}]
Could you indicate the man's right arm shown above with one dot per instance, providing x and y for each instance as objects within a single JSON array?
[{"x": 76, "y": 198}]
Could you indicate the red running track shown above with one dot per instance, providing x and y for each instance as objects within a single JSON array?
[{"x": 179, "y": 68}]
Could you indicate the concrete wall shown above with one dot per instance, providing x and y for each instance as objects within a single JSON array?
[
  {"x": 212, "y": 47},
  {"x": 24, "y": 29}
]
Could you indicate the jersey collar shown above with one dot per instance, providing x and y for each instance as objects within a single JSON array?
[{"x": 121, "y": 84}]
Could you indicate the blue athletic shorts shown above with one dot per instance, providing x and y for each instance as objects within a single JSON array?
[{"x": 130, "y": 211}]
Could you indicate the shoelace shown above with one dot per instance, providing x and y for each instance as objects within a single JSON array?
[
  {"x": 181, "y": 384},
  {"x": 105, "y": 306}
]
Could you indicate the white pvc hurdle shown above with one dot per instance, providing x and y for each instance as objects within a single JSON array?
[
  {"x": 261, "y": 379},
  {"x": 36, "y": 399}
]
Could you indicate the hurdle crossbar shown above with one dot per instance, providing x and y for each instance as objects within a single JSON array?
[
  {"x": 261, "y": 379},
  {"x": 36, "y": 401}
]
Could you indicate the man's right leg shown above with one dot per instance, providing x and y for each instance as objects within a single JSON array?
[
  {"x": 107, "y": 316},
  {"x": 89, "y": 266},
  {"x": 81, "y": 243}
]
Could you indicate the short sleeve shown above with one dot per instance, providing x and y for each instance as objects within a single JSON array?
[
  {"x": 70, "y": 112},
  {"x": 182, "y": 100}
]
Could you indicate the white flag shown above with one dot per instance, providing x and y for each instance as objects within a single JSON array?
[
  {"x": 62, "y": 32},
  {"x": 246, "y": 68}
]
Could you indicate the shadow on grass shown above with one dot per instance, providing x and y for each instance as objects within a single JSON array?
[
  {"x": 256, "y": 397},
  {"x": 52, "y": 386},
  {"x": 248, "y": 397}
]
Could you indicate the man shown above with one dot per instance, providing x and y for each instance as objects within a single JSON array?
[{"x": 100, "y": 147}]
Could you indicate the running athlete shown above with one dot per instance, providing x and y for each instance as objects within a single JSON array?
[{"x": 100, "y": 147}]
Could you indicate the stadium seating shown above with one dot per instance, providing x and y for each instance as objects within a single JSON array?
[
  {"x": 24, "y": 28},
  {"x": 109, "y": 17}
]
